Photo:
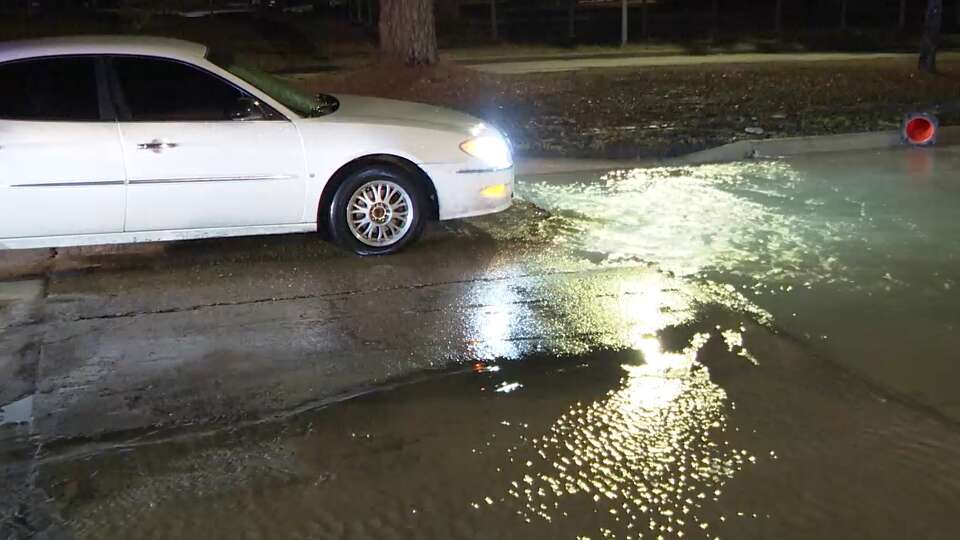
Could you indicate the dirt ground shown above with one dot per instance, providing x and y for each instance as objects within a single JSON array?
[{"x": 666, "y": 111}]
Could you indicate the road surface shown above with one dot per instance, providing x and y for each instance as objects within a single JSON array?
[{"x": 753, "y": 350}]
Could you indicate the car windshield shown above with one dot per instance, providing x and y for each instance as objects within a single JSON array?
[{"x": 298, "y": 100}]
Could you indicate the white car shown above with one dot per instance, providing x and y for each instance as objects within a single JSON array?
[{"x": 121, "y": 139}]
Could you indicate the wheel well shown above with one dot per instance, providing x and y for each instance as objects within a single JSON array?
[{"x": 330, "y": 189}]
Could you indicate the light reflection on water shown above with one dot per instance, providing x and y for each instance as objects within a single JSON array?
[
  {"x": 497, "y": 320},
  {"x": 682, "y": 219},
  {"x": 648, "y": 457},
  {"x": 651, "y": 453},
  {"x": 768, "y": 222}
]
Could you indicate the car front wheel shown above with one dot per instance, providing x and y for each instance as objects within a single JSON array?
[{"x": 377, "y": 211}]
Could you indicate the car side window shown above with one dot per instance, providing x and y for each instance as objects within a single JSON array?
[
  {"x": 51, "y": 89},
  {"x": 159, "y": 90}
]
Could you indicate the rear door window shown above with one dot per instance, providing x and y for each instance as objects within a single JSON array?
[{"x": 52, "y": 89}]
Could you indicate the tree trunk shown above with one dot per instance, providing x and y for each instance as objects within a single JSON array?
[
  {"x": 843, "y": 14},
  {"x": 494, "y": 32},
  {"x": 903, "y": 15},
  {"x": 407, "y": 31},
  {"x": 624, "y": 24},
  {"x": 931, "y": 36},
  {"x": 571, "y": 21}
]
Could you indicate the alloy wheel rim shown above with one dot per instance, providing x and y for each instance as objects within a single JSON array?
[{"x": 379, "y": 213}]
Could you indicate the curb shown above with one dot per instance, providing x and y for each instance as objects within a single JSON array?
[
  {"x": 794, "y": 146},
  {"x": 738, "y": 151}
]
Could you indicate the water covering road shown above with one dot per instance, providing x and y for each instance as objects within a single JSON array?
[{"x": 753, "y": 350}]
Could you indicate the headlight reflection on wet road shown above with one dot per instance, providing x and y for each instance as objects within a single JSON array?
[
  {"x": 648, "y": 457},
  {"x": 751, "y": 220},
  {"x": 651, "y": 454}
]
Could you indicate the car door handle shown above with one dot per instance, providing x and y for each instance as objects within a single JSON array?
[{"x": 156, "y": 146}]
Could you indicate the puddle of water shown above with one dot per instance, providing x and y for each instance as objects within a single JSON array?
[
  {"x": 18, "y": 412},
  {"x": 858, "y": 253},
  {"x": 598, "y": 442},
  {"x": 692, "y": 421},
  {"x": 688, "y": 441},
  {"x": 525, "y": 443},
  {"x": 852, "y": 220}
]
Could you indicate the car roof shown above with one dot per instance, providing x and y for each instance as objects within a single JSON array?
[{"x": 58, "y": 46}]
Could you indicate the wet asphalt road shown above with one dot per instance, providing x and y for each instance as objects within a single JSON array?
[{"x": 760, "y": 350}]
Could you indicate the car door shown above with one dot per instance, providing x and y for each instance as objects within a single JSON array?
[
  {"x": 61, "y": 169},
  {"x": 201, "y": 152}
]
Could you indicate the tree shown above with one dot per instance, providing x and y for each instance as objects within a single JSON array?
[
  {"x": 843, "y": 14},
  {"x": 903, "y": 14},
  {"x": 408, "y": 31},
  {"x": 494, "y": 34},
  {"x": 931, "y": 36}
]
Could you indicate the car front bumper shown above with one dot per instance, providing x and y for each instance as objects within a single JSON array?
[{"x": 464, "y": 193}]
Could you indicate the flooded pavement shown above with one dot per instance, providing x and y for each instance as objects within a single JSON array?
[
  {"x": 754, "y": 350},
  {"x": 859, "y": 254}
]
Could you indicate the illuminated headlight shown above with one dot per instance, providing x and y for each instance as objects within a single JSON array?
[{"x": 490, "y": 148}]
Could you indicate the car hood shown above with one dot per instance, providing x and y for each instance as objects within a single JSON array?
[{"x": 394, "y": 112}]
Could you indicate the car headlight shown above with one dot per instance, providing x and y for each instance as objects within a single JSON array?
[{"x": 490, "y": 148}]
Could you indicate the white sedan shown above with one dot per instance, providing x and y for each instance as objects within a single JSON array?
[{"x": 116, "y": 139}]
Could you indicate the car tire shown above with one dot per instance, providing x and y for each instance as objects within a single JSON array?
[{"x": 377, "y": 210}]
